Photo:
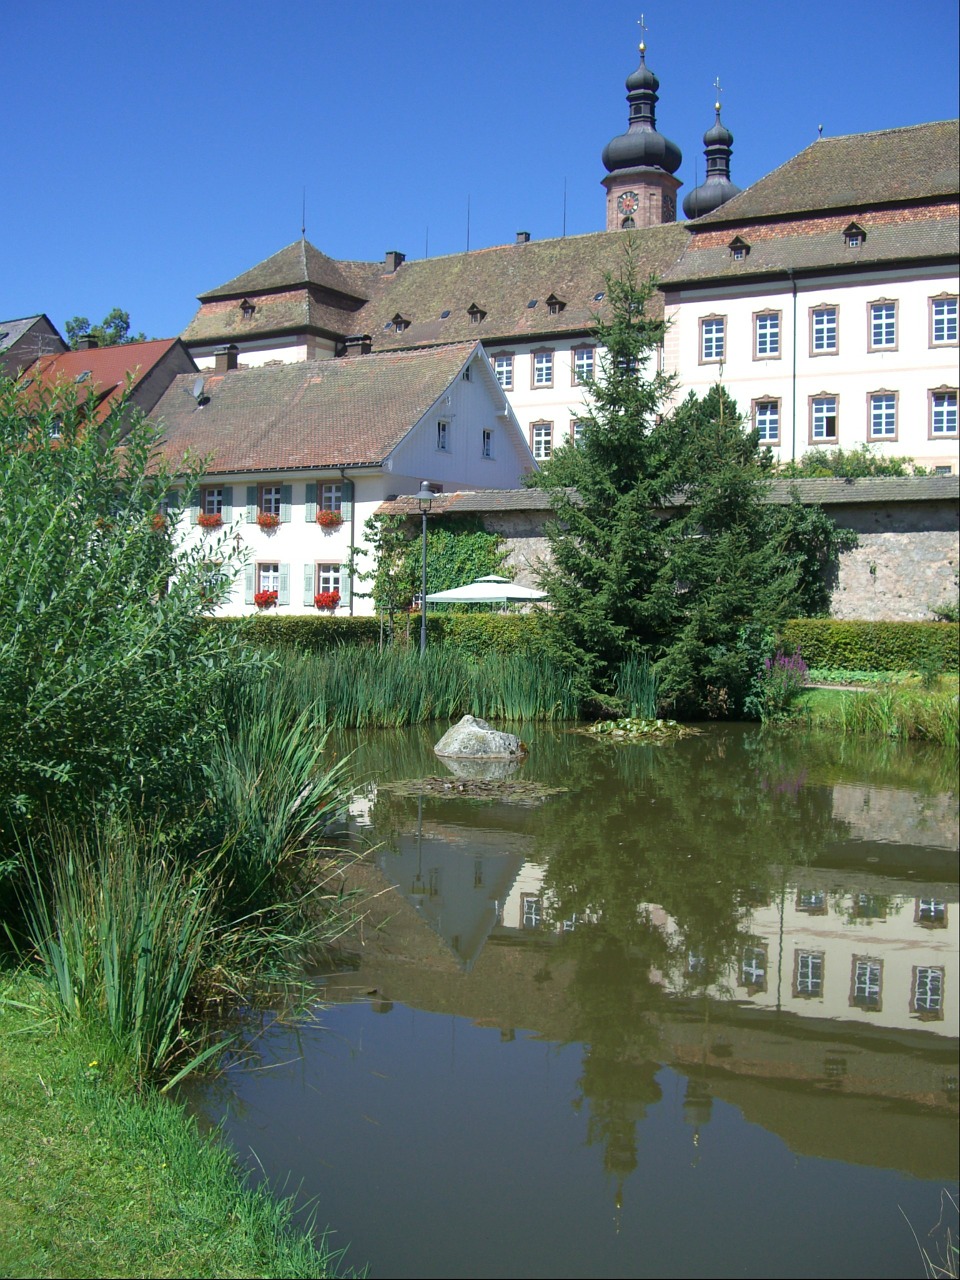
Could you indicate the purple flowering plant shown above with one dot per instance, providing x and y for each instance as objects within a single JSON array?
[{"x": 781, "y": 680}]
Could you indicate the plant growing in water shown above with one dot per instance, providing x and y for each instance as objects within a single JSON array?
[{"x": 778, "y": 685}]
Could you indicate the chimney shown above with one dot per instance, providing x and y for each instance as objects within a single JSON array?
[
  {"x": 356, "y": 344},
  {"x": 523, "y": 237},
  {"x": 225, "y": 358},
  {"x": 87, "y": 343},
  {"x": 393, "y": 260}
]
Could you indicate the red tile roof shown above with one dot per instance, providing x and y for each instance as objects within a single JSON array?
[{"x": 108, "y": 369}]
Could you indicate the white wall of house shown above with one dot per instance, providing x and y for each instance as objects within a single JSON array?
[
  {"x": 884, "y": 391},
  {"x": 300, "y": 557},
  {"x": 288, "y": 350}
]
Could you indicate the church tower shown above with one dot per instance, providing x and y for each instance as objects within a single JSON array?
[
  {"x": 718, "y": 188},
  {"x": 641, "y": 188}
]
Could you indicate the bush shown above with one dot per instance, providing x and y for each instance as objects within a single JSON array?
[
  {"x": 874, "y": 646},
  {"x": 474, "y": 633}
]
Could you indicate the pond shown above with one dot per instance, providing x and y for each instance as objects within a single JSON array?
[{"x": 677, "y": 1009}]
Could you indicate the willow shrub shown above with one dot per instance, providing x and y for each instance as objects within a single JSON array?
[{"x": 106, "y": 684}]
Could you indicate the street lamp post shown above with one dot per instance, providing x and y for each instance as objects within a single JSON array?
[{"x": 425, "y": 498}]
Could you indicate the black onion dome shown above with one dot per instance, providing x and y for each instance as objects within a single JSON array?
[
  {"x": 717, "y": 189},
  {"x": 708, "y": 196},
  {"x": 642, "y": 145},
  {"x": 718, "y": 136}
]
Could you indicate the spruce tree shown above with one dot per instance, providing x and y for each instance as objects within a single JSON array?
[{"x": 663, "y": 545}]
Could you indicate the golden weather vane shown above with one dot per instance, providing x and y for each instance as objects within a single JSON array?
[
  {"x": 643, "y": 34},
  {"x": 716, "y": 85}
]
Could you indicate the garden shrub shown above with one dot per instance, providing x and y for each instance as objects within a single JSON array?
[{"x": 873, "y": 646}]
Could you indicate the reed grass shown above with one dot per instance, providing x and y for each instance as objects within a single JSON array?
[
  {"x": 367, "y": 688},
  {"x": 120, "y": 929},
  {"x": 889, "y": 711},
  {"x": 636, "y": 686}
]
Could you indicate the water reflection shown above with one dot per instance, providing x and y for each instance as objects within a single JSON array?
[{"x": 721, "y": 930}]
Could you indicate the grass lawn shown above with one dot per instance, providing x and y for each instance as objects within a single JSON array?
[
  {"x": 893, "y": 710},
  {"x": 97, "y": 1181}
]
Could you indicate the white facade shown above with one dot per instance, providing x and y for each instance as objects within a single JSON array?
[
  {"x": 846, "y": 361},
  {"x": 467, "y": 439}
]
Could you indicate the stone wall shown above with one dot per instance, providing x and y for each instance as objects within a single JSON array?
[{"x": 907, "y": 560}]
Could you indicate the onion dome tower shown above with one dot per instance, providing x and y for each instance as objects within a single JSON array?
[
  {"x": 641, "y": 188},
  {"x": 717, "y": 189}
]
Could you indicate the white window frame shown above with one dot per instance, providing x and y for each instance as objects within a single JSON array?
[
  {"x": 882, "y": 322},
  {"x": 270, "y": 500},
  {"x": 819, "y": 416},
  {"x": 486, "y": 443},
  {"x": 766, "y": 335},
  {"x": 947, "y": 321},
  {"x": 503, "y": 369},
  {"x": 583, "y": 364},
  {"x": 541, "y": 440},
  {"x": 713, "y": 339},
  {"x": 882, "y": 415},
  {"x": 927, "y": 994},
  {"x": 212, "y": 504},
  {"x": 824, "y": 330},
  {"x": 443, "y": 436},
  {"x": 943, "y": 414},
  {"x": 327, "y": 577},
  {"x": 268, "y": 576},
  {"x": 761, "y": 421},
  {"x": 331, "y": 496},
  {"x": 809, "y": 974},
  {"x": 866, "y": 988},
  {"x": 542, "y": 369}
]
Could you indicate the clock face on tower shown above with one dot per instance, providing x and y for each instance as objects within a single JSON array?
[{"x": 628, "y": 202}]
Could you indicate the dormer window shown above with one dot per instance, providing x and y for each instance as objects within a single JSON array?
[
  {"x": 400, "y": 323},
  {"x": 247, "y": 309},
  {"x": 554, "y": 305},
  {"x": 854, "y": 236},
  {"x": 738, "y": 249},
  {"x": 475, "y": 313}
]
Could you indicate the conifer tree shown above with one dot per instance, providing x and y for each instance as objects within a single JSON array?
[{"x": 662, "y": 544}]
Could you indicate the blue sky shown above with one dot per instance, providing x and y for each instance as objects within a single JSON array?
[{"x": 155, "y": 150}]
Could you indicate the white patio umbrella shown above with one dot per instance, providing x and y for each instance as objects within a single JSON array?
[{"x": 492, "y": 589}]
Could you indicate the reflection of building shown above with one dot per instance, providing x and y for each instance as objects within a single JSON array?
[{"x": 860, "y": 954}]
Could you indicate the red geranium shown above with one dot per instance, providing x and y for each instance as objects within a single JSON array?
[
  {"x": 327, "y": 599},
  {"x": 209, "y": 519},
  {"x": 267, "y": 520},
  {"x": 265, "y": 599},
  {"x": 329, "y": 519}
]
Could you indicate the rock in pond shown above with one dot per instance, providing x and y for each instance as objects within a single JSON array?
[{"x": 476, "y": 740}]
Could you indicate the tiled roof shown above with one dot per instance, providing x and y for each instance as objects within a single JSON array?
[
  {"x": 502, "y": 282},
  {"x": 314, "y": 413},
  {"x": 883, "y": 243},
  {"x": 853, "y": 171},
  {"x": 827, "y": 492},
  {"x": 12, "y": 331},
  {"x": 471, "y": 501},
  {"x": 299, "y": 263},
  {"x": 293, "y": 311},
  {"x": 107, "y": 368},
  {"x": 830, "y": 492}
]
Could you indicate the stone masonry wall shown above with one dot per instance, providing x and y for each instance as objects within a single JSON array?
[{"x": 907, "y": 560}]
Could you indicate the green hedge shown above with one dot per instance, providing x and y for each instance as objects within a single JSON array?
[
  {"x": 476, "y": 633},
  {"x": 874, "y": 646}
]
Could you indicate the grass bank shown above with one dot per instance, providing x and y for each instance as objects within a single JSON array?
[
  {"x": 902, "y": 711},
  {"x": 96, "y": 1180}
]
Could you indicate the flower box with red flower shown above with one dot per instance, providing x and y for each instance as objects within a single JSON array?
[
  {"x": 158, "y": 521},
  {"x": 209, "y": 519},
  {"x": 327, "y": 599},
  {"x": 329, "y": 519},
  {"x": 267, "y": 520},
  {"x": 265, "y": 599}
]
